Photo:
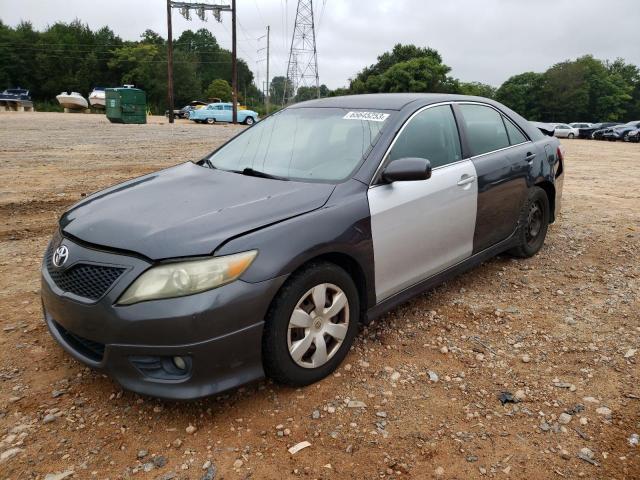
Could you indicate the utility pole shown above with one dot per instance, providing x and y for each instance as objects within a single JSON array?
[
  {"x": 268, "y": 92},
  {"x": 267, "y": 48},
  {"x": 302, "y": 69},
  {"x": 234, "y": 62},
  {"x": 201, "y": 10},
  {"x": 169, "y": 62}
]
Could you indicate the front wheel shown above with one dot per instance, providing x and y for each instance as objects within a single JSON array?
[
  {"x": 249, "y": 121},
  {"x": 534, "y": 223},
  {"x": 311, "y": 325},
  {"x": 211, "y": 121}
]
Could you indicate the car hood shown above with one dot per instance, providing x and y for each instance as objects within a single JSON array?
[{"x": 187, "y": 210}]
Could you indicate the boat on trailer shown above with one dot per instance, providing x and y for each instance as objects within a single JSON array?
[
  {"x": 72, "y": 101},
  {"x": 97, "y": 98},
  {"x": 16, "y": 99}
]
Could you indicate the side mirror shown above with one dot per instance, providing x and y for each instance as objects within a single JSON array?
[{"x": 407, "y": 170}]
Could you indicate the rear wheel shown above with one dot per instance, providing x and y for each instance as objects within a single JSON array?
[
  {"x": 311, "y": 325},
  {"x": 572, "y": 136},
  {"x": 534, "y": 223}
]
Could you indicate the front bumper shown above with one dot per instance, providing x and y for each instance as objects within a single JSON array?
[{"x": 217, "y": 332}]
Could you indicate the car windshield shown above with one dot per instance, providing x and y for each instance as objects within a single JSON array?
[{"x": 306, "y": 144}]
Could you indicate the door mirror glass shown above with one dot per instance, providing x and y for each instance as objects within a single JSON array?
[{"x": 406, "y": 170}]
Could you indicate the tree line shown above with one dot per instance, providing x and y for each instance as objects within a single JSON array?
[
  {"x": 585, "y": 89},
  {"x": 72, "y": 57}
]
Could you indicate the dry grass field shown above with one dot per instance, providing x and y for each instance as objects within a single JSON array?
[{"x": 560, "y": 331}]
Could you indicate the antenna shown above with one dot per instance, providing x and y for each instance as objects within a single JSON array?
[{"x": 302, "y": 68}]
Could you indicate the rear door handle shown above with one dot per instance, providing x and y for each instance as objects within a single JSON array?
[
  {"x": 466, "y": 180},
  {"x": 530, "y": 156}
]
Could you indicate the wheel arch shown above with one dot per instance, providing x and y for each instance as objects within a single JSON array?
[
  {"x": 353, "y": 269},
  {"x": 550, "y": 190}
]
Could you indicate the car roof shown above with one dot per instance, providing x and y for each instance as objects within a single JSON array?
[{"x": 386, "y": 101}]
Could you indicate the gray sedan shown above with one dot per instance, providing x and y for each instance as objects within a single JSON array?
[{"x": 265, "y": 257}]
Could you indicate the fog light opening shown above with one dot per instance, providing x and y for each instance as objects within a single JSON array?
[{"x": 180, "y": 363}]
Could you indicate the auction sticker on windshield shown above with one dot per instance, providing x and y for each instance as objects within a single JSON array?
[{"x": 370, "y": 116}]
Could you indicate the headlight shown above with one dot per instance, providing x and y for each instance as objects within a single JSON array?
[{"x": 186, "y": 278}]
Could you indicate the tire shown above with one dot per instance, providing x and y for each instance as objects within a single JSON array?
[
  {"x": 533, "y": 224},
  {"x": 572, "y": 136},
  {"x": 282, "y": 339},
  {"x": 249, "y": 121},
  {"x": 626, "y": 137},
  {"x": 211, "y": 121}
]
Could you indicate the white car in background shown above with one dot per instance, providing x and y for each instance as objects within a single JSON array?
[
  {"x": 581, "y": 125},
  {"x": 565, "y": 131}
]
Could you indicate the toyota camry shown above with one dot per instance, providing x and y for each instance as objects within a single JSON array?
[{"x": 264, "y": 257}]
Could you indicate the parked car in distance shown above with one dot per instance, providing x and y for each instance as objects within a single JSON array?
[
  {"x": 580, "y": 125},
  {"x": 587, "y": 133},
  {"x": 634, "y": 136},
  {"x": 222, "y": 112},
  {"x": 184, "y": 111},
  {"x": 599, "y": 133},
  {"x": 563, "y": 130},
  {"x": 267, "y": 255},
  {"x": 621, "y": 132},
  {"x": 545, "y": 128}
]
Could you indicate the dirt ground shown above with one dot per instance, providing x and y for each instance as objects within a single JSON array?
[{"x": 418, "y": 396}]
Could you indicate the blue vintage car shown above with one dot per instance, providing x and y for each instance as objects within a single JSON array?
[{"x": 222, "y": 112}]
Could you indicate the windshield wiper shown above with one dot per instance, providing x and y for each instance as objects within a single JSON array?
[{"x": 250, "y": 172}]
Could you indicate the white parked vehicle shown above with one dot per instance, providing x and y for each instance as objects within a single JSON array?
[
  {"x": 565, "y": 131},
  {"x": 581, "y": 125}
]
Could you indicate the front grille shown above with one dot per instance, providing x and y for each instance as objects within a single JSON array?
[
  {"x": 88, "y": 348},
  {"x": 83, "y": 279}
]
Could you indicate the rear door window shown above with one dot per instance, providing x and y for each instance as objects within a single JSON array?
[{"x": 485, "y": 129}]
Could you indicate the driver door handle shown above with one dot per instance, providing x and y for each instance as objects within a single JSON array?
[{"x": 466, "y": 180}]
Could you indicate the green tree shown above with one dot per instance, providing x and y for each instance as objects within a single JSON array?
[
  {"x": 478, "y": 89},
  {"x": 213, "y": 61},
  {"x": 522, "y": 93},
  {"x": 277, "y": 87},
  {"x": 221, "y": 89},
  {"x": 309, "y": 93},
  {"x": 584, "y": 89},
  {"x": 406, "y": 68}
]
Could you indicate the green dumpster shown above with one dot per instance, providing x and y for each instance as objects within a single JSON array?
[{"x": 126, "y": 105}]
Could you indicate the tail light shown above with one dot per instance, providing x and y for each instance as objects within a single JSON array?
[{"x": 560, "y": 161}]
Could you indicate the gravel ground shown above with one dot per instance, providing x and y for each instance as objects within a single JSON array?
[{"x": 556, "y": 337}]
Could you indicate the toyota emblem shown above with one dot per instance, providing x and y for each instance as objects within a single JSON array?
[{"x": 60, "y": 256}]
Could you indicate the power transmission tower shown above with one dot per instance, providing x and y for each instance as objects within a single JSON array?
[{"x": 302, "y": 69}]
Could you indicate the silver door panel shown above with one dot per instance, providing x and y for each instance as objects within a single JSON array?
[{"x": 421, "y": 228}]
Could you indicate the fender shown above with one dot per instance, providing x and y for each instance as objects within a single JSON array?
[{"x": 342, "y": 226}]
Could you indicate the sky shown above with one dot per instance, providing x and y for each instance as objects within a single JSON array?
[{"x": 481, "y": 40}]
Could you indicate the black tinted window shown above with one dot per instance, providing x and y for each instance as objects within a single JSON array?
[
  {"x": 431, "y": 134},
  {"x": 515, "y": 135},
  {"x": 485, "y": 129}
]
